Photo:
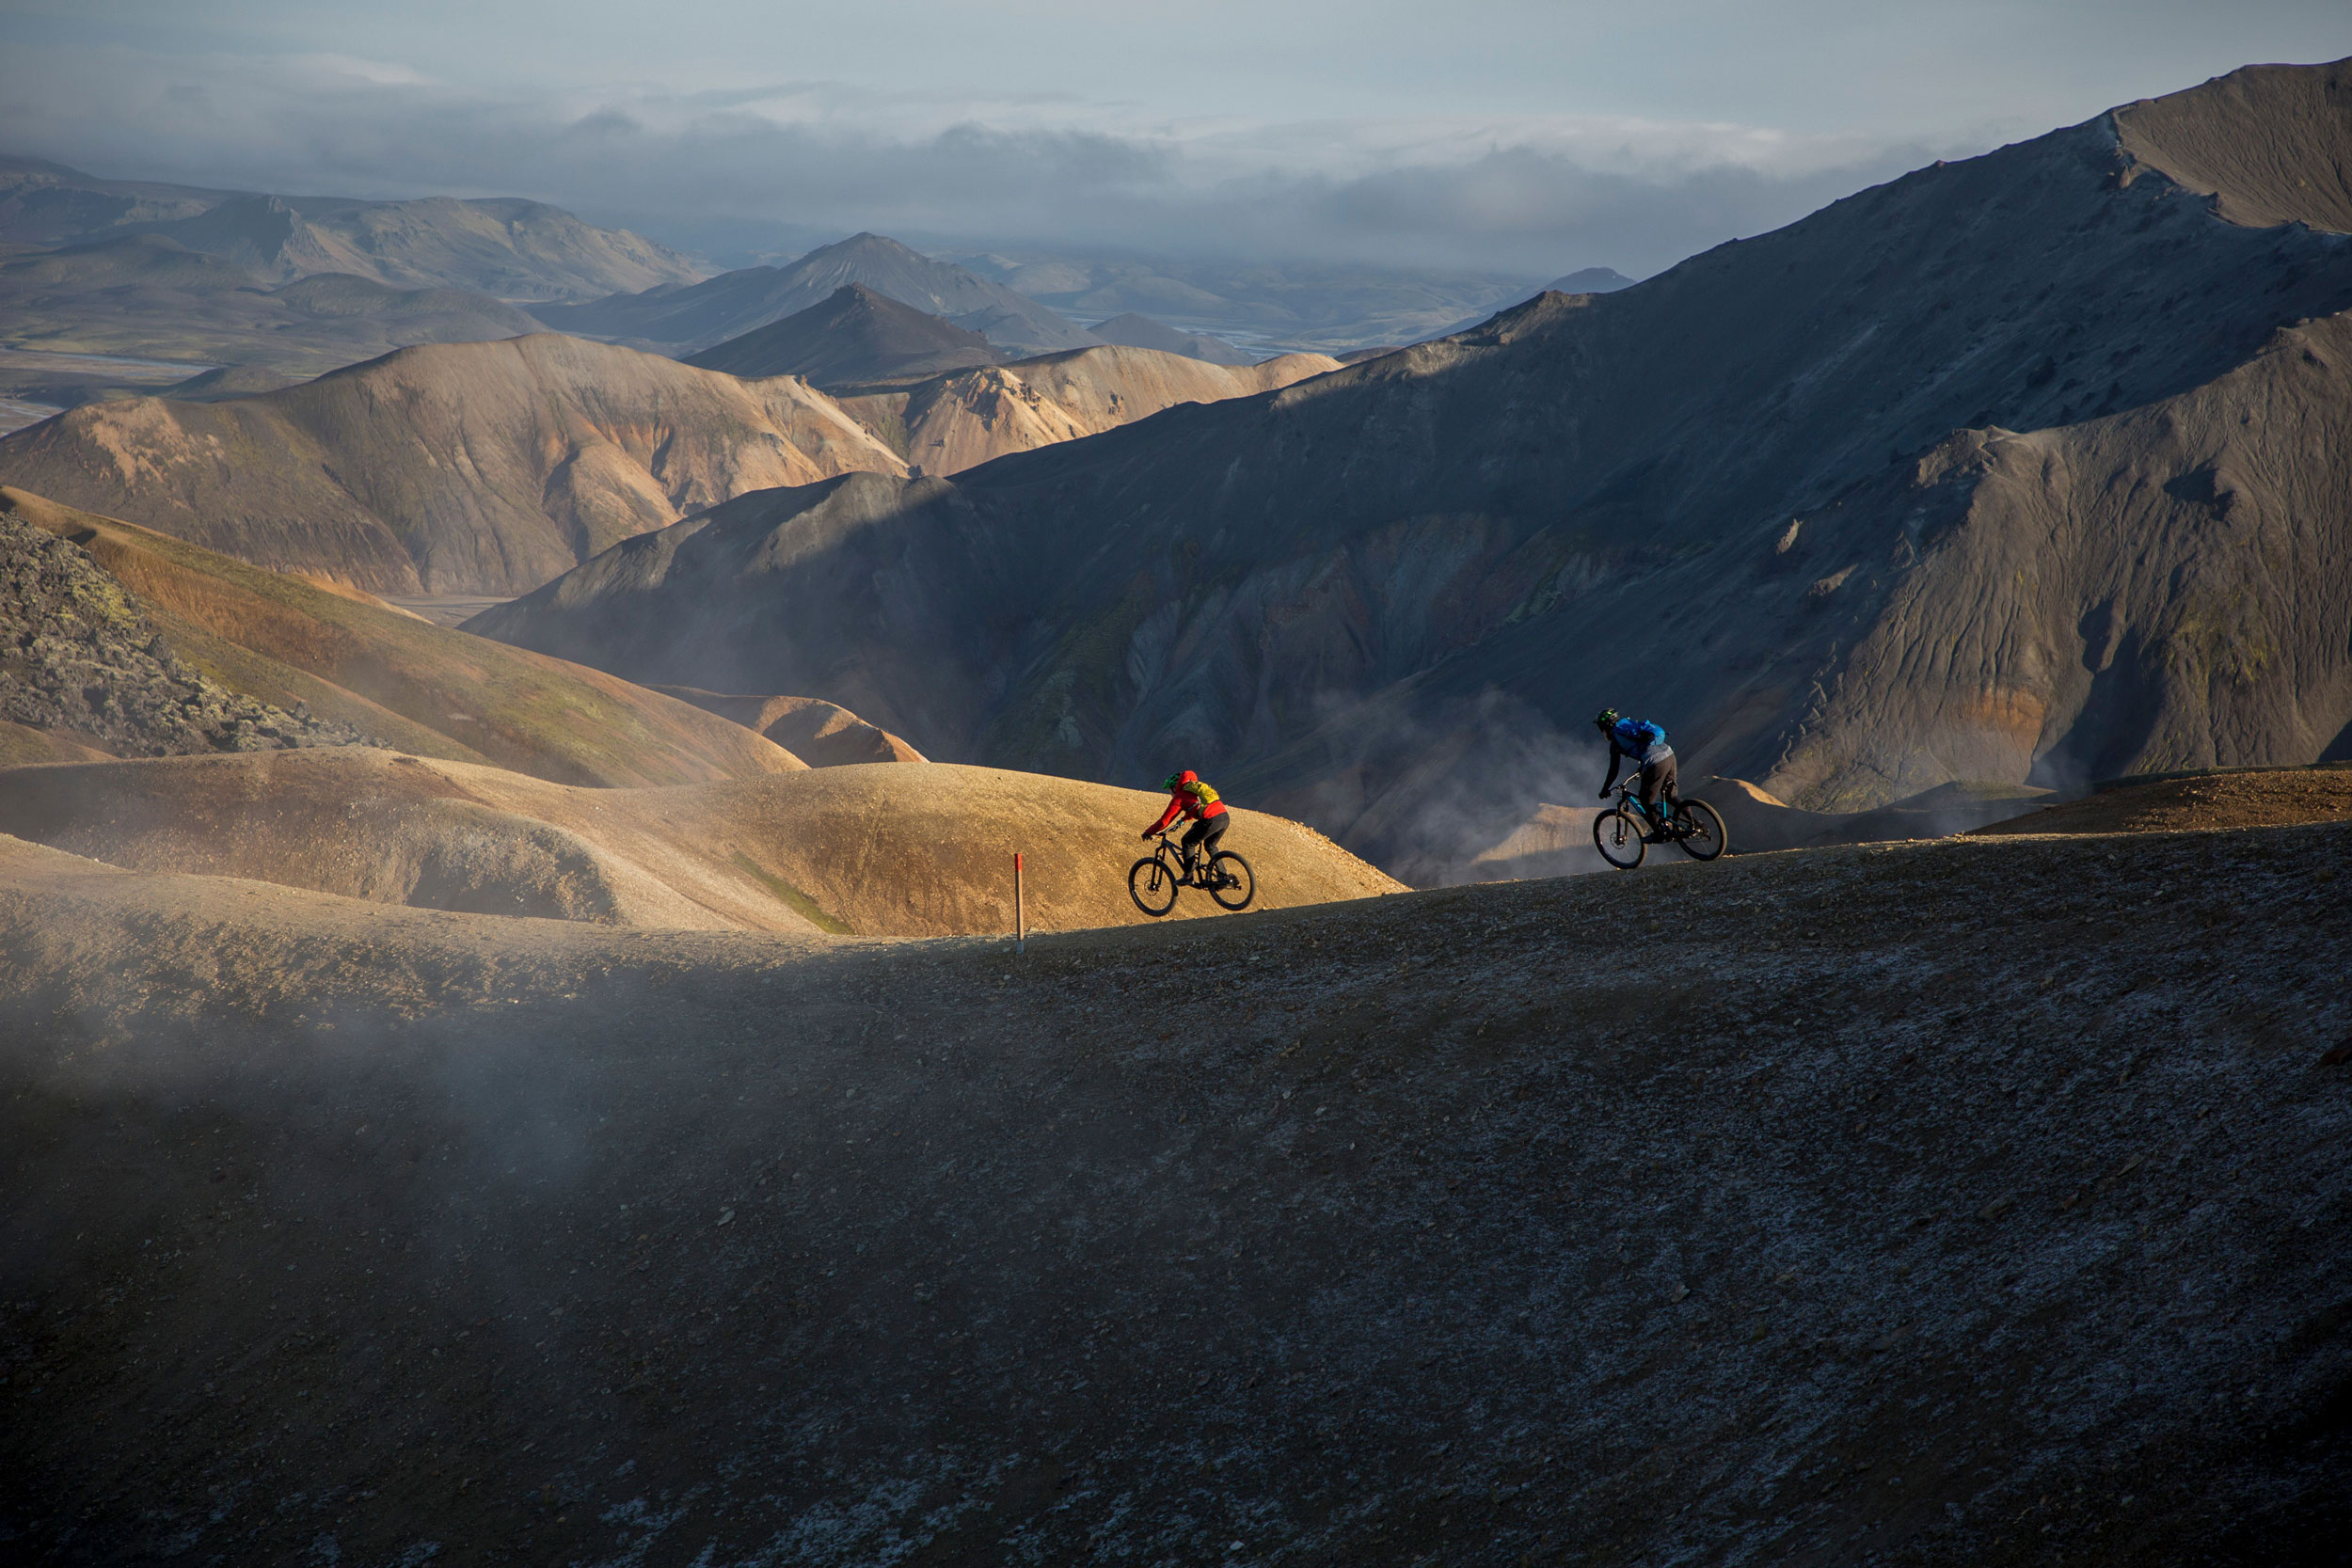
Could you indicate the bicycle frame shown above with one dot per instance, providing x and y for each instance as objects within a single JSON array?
[
  {"x": 1629, "y": 799},
  {"x": 1170, "y": 854}
]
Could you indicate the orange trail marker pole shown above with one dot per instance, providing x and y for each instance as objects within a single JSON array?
[{"x": 1019, "y": 912}]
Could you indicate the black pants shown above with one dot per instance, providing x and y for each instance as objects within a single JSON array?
[
  {"x": 1657, "y": 781},
  {"x": 1205, "y": 833}
]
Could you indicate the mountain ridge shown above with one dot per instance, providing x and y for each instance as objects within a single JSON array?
[
  {"x": 953, "y": 422},
  {"x": 147, "y": 296},
  {"x": 462, "y": 467},
  {"x": 690, "y": 318},
  {"x": 1385, "y": 600},
  {"x": 505, "y": 246}
]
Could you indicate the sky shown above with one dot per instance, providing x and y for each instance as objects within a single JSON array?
[{"x": 1527, "y": 138}]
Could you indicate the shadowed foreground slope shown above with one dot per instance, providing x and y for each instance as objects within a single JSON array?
[{"x": 1957, "y": 1202}]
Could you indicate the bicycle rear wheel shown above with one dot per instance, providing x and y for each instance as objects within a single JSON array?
[
  {"x": 1151, "y": 886},
  {"x": 1231, "y": 883},
  {"x": 1620, "y": 837},
  {"x": 1699, "y": 829}
]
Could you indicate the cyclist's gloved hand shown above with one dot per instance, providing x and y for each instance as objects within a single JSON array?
[
  {"x": 1147, "y": 833},
  {"x": 1602, "y": 796}
]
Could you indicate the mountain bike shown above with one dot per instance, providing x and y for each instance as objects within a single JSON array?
[
  {"x": 1152, "y": 881},
  {"x": 1622, "y": 833}
]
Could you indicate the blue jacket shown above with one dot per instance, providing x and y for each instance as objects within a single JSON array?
[{"x": 1635, "y": 736}]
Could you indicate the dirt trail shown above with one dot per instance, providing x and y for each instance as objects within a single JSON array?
[
  {"x": 1923, "y": 1203},
  {"x": 871, "y": 849},
  {"x": 2271, "y": 799}
]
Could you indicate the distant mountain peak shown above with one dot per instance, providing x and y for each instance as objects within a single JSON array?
[
  {"x": 734, "y": 304},
  {"x": 854, "y": 336},
  {"x": 1591, "y": 280}
]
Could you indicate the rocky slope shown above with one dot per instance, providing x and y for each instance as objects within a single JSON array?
[
  {"x": 473, "y": 467},
  {"x": 284, "y": 643},
  {"x": 2022, "y": 469},
  {"x": 696, "y": 316},
  {"x": 1741, "y": 1214},
  {"x": 80, "y": 661},
  {"x": 851, "y": 336},
  {"x": 499, "y": 245}
]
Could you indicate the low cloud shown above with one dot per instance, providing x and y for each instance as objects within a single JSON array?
[{"x": 1527, "y": 197}]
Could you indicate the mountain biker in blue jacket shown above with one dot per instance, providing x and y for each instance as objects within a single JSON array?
[{"x": 1645, "y": 744}]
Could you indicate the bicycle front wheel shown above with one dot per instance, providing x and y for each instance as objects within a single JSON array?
[
  {"x": 1620, "y": 838},
  {"x": 1151, "y": 886},
  {"x": 1699, "y": 829},
  {"x": 1231, "y": 883}
]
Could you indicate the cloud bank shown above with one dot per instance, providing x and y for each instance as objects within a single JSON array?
[{"x": 1522, "y": 194}]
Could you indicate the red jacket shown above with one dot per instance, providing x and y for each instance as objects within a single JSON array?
[{"x": 1187, "y": 800}]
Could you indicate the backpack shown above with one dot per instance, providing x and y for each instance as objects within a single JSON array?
[
  {"x": 1635, "y": 736},
  {"x": 1204, "y": 793}
]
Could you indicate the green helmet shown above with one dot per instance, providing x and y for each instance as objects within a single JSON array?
[
  {"x": 1608, "y": 717},
  {"x": 1171, "y": 781}
]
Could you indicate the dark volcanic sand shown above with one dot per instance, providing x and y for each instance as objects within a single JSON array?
[{"x": 1979, "y": 1201}]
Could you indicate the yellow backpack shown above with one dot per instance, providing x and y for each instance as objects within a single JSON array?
[{"x": 1204, "y": 793}]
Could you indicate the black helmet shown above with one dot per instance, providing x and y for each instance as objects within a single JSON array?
[{"x": 1608, "y": 716}]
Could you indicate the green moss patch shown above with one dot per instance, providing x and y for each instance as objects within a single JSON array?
[{"x": 793, "y": 898}]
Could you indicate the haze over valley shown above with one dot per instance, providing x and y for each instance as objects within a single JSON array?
[{"x": 584, "y": 975}]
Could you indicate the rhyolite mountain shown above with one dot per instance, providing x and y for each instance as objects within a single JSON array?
[
  {"x": 852, "y": 338},
  {"x": 963, "y": 419},
  {"x": 2025, "y": 467},
  {"x": 686, "y": 319},
  {"x": 499, "y": 245},
  {"x": 480, "y": 468},
  {"x": 488, "y": 467}
]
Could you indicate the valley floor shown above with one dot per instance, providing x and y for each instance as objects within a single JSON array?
[{"x": 1977, "y": 1200}]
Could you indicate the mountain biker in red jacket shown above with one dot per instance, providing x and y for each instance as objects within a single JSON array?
[{"x": 1199, "y": 801}]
